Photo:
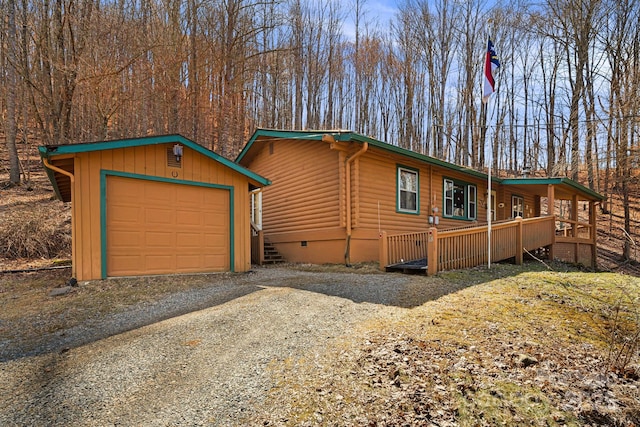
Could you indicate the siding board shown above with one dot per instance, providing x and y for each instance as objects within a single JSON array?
[{"x": 307, "y": 177}]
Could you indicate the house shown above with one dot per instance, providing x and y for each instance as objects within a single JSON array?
[
  {"x": 337, "y": 197},
  {"x": 154, "y": 205}
]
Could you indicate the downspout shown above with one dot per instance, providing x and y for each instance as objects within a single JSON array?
[
  {"x": 348, "y": 162},
  {"x": 48, "y": 165}
]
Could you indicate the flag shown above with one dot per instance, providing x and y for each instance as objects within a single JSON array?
[{"x": 491, "y": 63}]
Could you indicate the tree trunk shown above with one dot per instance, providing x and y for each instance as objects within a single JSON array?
[{"x": 10, "y": 121}]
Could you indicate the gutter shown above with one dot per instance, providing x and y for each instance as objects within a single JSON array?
[
  {"x": 48, "y": 165},
  {"x": 348, "y": 162}
]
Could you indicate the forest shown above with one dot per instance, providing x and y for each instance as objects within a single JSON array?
[{"x": 567, "y": 99}]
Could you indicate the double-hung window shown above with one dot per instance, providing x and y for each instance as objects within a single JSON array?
[
  {"x": 408, "y": 200},
  {"x": 517, "y": 206},
  {"x": 460, "y": 200}
]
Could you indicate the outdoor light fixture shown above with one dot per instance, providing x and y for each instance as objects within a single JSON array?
[{"x": 177, "y": 151}]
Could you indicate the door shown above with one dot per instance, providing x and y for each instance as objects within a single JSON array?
[{"x": 157, "y": 227}]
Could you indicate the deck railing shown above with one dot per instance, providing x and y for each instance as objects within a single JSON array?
[
  {"x": 575, "y": 242},
  {"x": 467, "y": 247},
  {"x": 403, "y": 247}
]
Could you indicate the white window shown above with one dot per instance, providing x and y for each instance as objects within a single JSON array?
[
  {"x": 407, "y": 190},
  {"x": 256, "y": 208},
  {"x": 448, "y": 197},
  {"x": 517, "y": 206},
  {"x": 471, "y": 197},
  {"x": 460, "y": 200},
  {"x": 493, "y": 205}
]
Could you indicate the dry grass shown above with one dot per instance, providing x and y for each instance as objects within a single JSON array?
[
  {"x": 28, "y": 310},
  {"x": 34, "y": 231},
  {"x": 464, "y": 360},
  {"x": 35, "y": 228}
]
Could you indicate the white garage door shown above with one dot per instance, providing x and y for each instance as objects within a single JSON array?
[{"x": 157, "y": 227}]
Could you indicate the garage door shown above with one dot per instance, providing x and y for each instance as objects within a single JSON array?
[{"x": 157, "y": 227}]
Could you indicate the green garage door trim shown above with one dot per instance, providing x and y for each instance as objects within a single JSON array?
[{"x": 103, "y": 209}]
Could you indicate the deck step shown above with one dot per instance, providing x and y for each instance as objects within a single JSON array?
[
  {"x": 271, "y": 254},
  {"x": 418, "y": 266}
]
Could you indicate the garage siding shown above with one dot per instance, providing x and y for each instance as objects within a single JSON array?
[{"x": 149, "y": 159}]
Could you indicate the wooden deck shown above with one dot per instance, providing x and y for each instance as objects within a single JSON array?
[{"x": 468, "y": 247}]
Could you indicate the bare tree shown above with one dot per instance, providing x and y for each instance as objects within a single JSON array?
[
  {"x": 623, "y": 52},
  {"x": 578, "y": 21},
  {"x": 469, "y": 49},
  {"x": 549, "y": 68},
  {"x": 193, "y": 76},
  {"x": 431, "y": 28},
  {"x": 10, "y": 86},
  {"x": 410, "y": 90}
]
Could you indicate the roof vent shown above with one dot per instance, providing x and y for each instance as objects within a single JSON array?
[{"x": 173, "y": 161}]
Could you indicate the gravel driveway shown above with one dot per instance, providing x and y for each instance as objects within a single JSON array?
[{"x": 207, "y": 363}]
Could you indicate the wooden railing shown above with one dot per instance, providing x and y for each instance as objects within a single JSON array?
[
  {"x": 467, "y": 247},
  {"x": 403, "y": 247},
  {"x": 538, "y": 232},
  {"x": 575, "y": 242},
  {"x": 565, "y": 228}
]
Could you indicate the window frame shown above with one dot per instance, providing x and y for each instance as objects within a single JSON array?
[
  {"x": 399, "y": 190},
  {"x": 468, "y": 201}
]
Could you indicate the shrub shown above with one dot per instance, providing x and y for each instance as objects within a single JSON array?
[{"x": 622, "y": 324}]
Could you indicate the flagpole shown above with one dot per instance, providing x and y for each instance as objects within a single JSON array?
[
  {"x": 491, "y": 63},
  {"x": 489, "y": 216}
]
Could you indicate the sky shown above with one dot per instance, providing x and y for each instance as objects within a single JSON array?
[{"x": 380, "y": 11}]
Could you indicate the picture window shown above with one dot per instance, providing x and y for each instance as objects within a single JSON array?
[{"x": 460, "y": 200}]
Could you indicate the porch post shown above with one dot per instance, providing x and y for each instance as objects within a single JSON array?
[
  {"x": 594, "y": 234},
  {"x": 432, "y": 251},
  {"x": 519, "y": 248},
  {"x": 574, "y": 215},
  {"x": 551, "y": 210},
  {"x": 551, "y": 200},
  {"x": 574, "y": 228},
  {"x": 383, "y": 250}
]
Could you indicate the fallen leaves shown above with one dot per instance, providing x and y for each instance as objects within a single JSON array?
[{"x": 509, "y": 352}]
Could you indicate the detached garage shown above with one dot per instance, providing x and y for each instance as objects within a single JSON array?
[{"x": 156, "y": 205}]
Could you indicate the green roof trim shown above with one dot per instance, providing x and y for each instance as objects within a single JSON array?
[
  {"x": 421, "y": 157},
  {"x": 554, "y": 181},
  {"x": 58, "y": 150},
  {"x": 285, "y": 134},
  {"x": 349, "y": 136}
]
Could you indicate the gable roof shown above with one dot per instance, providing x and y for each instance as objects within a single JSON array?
[
  {"x": 52, "y": 151},
  {"x": 349, "y": 136},
  {"x": 566, "y": 185}
]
